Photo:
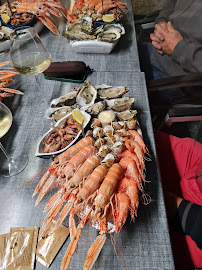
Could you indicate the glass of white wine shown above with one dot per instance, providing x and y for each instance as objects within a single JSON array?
[
  {"x": 9, "y": 165},
  {"x": 28, "y": 54}
]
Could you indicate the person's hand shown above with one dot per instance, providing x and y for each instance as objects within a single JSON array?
[
  {"x": 157, "y": 37},
  {"x": 171, "y": 38}
]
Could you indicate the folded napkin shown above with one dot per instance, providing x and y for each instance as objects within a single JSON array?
[{"x": 73, "y": 70}]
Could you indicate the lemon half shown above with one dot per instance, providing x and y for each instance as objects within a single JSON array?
[
  {"x": 78, "y": 116},
  {"x": 108, "y": 18},
  {"x": 5, "y": 18}
]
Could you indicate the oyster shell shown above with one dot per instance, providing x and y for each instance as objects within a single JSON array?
[
  {"x": 87, "y": 25},
  {"x": 126, "y": 115},
  {"x": 66, "y": 100},
  {"x": 87, "y": 95},
  {"x": 58, "y": 113},
  {"x": 7, "y": 31},
  {"x": 111, "y": 33},
  {"x": 110, "y": 92},
  {"x": 96, "y": 108},
  {"x": 74, "y": 32},
  {"x": 120, "y": 104}
]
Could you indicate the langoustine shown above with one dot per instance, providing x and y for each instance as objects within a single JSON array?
[
  {"x": 98, "y": 195},
  {"x": 6, "y": 78}
]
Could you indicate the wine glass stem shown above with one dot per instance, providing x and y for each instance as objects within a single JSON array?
[
  {"x": 5, "y": 152},
  {"x": 37, "y": 80}
]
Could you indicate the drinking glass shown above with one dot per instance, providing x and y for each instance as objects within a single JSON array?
[
  {"x": 9, "y": 166},
  {"x": 28, "y": 55}
]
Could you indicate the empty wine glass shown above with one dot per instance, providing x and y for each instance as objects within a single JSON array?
[
  {"x": 9, "y": 166},
  {"x": 28, "y": 54}
]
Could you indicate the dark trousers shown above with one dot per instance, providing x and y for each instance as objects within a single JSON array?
[{"x": 165, "y": 97}]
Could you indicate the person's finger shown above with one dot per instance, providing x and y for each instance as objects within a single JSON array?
[
  {"x": 159, "y": 51},
  {"x": 158, "y": 35},
  {"x": 154, "y": 38},
  {"x": 160, "y": 29},
  {"x": 156, "y": 45},
  {"x": 170, "y": 27}
]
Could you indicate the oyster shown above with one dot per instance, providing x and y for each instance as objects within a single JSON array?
[
  {"x": 126, "y": 115},
  {"x": 120, "y": 104},
  {"x": 5, "y": 32},
  {"x": 111, "y": 33},
  {"x": 74, "y": 32},
  {"x": 96, "y": 108},
  {"x": 109, "y": 92},
  {"x": 58, "y": 113},
  {"x": 87, "y": 95},
  {"x": 66, "y": 100},
  {"x": 87, "y": 25}
]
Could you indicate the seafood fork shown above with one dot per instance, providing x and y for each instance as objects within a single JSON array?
[{"x": 83, "y": 134}]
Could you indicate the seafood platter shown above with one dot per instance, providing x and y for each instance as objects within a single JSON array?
[
  {"x": 99, "y": 178},
  {"x": 29, "y": 13},
  {"x": 95, "y": 26}
]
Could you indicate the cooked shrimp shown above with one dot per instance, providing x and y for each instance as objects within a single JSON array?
[
  {"x": 134, "y": 147},
  {"x": 128, "y": 186},
  {"x": 77, "y": 160},
  {"x": 92, "y": 184},
  {"x": 70, "y": 152},
  {"x": 69, "y": 170},
  {"x": 138, "y": 138},
  {"x": 129, "y": 165},
  {"x": 55, "y": 198},
  {"x": 84, "y": 171},
  {"x": 133, "y": 155},
  {"x": 47, "y": 186},
  {"x": 106, "y": 190},
  {"x": 122, "y": 208},
  {"x": 109, "y": 4}
]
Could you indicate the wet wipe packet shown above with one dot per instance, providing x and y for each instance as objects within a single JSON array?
[
  {"x": 50, "y": 243},
  {"x": 21, "y": 248},
  {"x": 68, "y": 71},
  {"x": 3, "y": 244}
]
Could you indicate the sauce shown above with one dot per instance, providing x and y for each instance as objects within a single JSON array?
[{"x": 106, "y": 117}]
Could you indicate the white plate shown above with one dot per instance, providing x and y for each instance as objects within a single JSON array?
[
  {"x": 40, "y": 147},
  {"x": 5, "y": 45}
]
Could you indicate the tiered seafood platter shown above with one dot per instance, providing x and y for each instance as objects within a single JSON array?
[
  {"x": 101, "y": 177},
  {"x": 95, "y": 26}
]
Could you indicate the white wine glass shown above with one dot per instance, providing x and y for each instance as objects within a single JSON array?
[
  {"x": 28, "y": 55},
  {"x": 9, "y": 165}
]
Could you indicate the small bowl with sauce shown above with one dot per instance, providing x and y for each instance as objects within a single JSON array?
[
  {"x": 20, "y": 19},
  {"x": 106, "y": 117}
]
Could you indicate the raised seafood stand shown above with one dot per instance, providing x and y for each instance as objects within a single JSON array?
[{"x": 142, "y": 243}]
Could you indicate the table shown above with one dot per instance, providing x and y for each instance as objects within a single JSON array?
[{"x": 144, "y": 244}]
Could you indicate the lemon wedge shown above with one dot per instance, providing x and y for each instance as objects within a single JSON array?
[
  {"x": 5, "y": 18},
  {"x": 108, "y": 18},
  {"x": 78, "y": 116}
]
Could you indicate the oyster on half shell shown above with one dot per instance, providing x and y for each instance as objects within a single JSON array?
[
  {"x": 74, "y": 32},
  {"x": 96, "y": 108},
  {"x": 58, "y": 113},
  {"x": 87, "y": 25},
  {"x": 111, "y": 33},
  {"x": 120, "y": 104},
  {"x": 126, "y": 115},
  {"x": 66, "y": 100},
  {"x": 110, "y": 92},
  {"x": 87, "y": 95}
]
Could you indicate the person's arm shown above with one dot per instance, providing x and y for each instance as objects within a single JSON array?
[
  {"x": 166, "y": 11},
  {"x": 188, "y": 55}
]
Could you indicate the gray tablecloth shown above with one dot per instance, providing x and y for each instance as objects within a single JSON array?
[{"x": 145, "y": 243}]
